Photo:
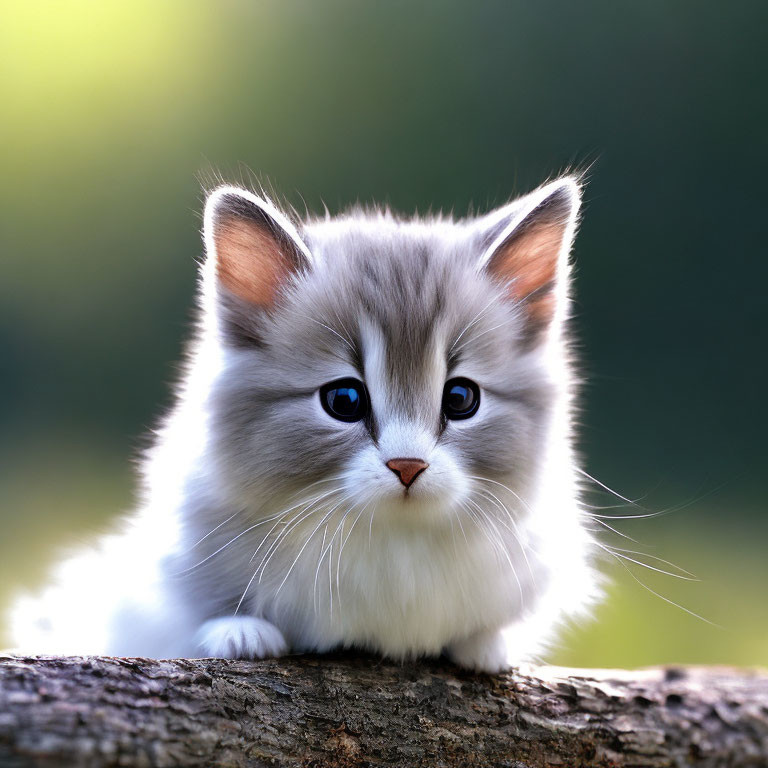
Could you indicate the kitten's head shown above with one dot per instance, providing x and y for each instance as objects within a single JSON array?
[{"x": 411, "y": 367}]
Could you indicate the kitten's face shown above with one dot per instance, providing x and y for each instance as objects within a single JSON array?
[{"x": 395, "y": 372}]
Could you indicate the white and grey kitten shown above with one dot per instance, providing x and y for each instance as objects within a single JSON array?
[{"x": 371, "y": 447}]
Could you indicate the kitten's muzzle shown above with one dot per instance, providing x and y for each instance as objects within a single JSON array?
[{"x": 407, "y": 469}]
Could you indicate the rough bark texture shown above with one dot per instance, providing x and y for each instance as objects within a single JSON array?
[{"x": 357, "y": 711}]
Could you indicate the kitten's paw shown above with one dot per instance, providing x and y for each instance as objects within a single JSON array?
[
  {"x": 240, "y": 637},
  {"x": 483, "y": 652}
]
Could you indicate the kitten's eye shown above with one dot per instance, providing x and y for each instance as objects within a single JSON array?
[
  {"x": 461, "y": 398},
  {"x": 345, "y": 399}
]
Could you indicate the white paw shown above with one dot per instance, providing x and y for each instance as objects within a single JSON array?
[
  {"x": 240, "y": 637},
  {"x": 483, "y": 652}
]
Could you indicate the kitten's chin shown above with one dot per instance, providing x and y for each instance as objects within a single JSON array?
[{"x": 418, "y": 508}]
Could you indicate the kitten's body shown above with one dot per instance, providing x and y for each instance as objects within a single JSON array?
[{"x": 259, "y": 504}]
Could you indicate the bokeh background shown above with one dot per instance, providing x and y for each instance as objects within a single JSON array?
[{"x": 110, "y": 112}]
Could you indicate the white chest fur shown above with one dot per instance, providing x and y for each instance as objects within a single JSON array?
[{"x": 403, "y": 591}]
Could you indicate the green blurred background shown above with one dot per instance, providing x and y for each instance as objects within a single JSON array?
[{"x": 109, "y": 113}]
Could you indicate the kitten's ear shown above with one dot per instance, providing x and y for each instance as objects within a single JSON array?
[
  {"x": 253, "y": 248},
  {"x": 529, "y": 242}
]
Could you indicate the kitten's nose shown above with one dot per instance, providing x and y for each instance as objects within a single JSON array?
[{"x": 407, "y": 469}]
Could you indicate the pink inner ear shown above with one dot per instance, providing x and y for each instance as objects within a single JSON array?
[
  {"x": 527, "y": 263},
  {"x": 249, "y": 261}
]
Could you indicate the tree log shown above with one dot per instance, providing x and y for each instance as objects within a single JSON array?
[{"x": 346, "y": 710}]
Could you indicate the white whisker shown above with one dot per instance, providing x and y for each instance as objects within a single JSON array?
[
  {"x": 498, "y": 545},
  {"x": 304, "y": 546},
  {"x": 506, "y": 487},
  {"x": 301, "y": 515},
  {"x": 343, "y": 543},
  {"x": 328, "y": 328},
  {"x": 304, "y": 505},
  {"x": 314, "y": 588},
  {"x": 685, "y": 575},
  {"x": 370, "y": 526},
  {"x": 609, "y": 527},
  {"x": 644, "y": 516},
  {"x": 253, "y": 575},
  {"x": 283, "y": 535},
  {"x": 477, "y": 336},
  {"x": 471, "y": 322},
  {"x": 233, "y": 539},
  {"x": 513, "y": 530},
  {"x": 213, "y": 530},
  {"x": 661, "y": 597},
  {"x": 605, "y": 487}
]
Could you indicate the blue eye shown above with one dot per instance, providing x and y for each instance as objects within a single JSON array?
[
  {"x": 461, "y": 398},
  {"x": 345, "y": 399}
]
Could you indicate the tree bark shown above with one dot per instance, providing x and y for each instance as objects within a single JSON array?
[{"x": 346, "y": 711}]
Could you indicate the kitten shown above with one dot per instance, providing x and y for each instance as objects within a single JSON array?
[{"x": 371, "y": 447}]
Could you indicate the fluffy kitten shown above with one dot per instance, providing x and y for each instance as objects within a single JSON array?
[{"x": 371, "y": 447}]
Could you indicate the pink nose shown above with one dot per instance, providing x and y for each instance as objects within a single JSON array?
[{"x": 407, "y": 469}]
